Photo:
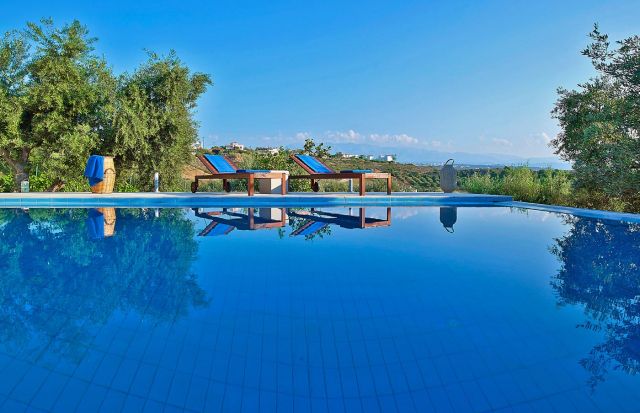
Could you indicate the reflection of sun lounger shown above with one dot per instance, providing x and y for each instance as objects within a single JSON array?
[
  {"x": 237, "y": 220},
  {"x": 215, "y": 229},
  {"x": 310, "y": 228},
  {"x": 342, "y": 220}
]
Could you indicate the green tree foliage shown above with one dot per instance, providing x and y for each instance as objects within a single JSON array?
[
  {"x": 524, "y": 184},
  {"x": 600, "y": 122},
  {"x": 600, "y": 272},
  {"x": 317, "y": 150},
  {"x": 13, "y": 53},
  {"x": 153, "y": 126},
  {"x": 60, "y": 102},
  {"x": 55, "y": 304},
  {"x": 61, "y": 93}
]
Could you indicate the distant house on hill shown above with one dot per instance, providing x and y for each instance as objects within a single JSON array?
[
  {"x": 196, "y": 146},
  {"x": 349, "y": 156},
  {"x": 387, "y": 158},
  {"x": 270, "y": 151},
  {"x": 235, "y": 146}
]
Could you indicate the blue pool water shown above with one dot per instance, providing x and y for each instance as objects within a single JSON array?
[{"x": 409, "y": 309}]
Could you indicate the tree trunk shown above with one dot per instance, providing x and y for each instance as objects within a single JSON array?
[
  {"x": 17, "y": 166},
  {"x": 56, "y": 186},
  {"x": 20, "y": 175}
]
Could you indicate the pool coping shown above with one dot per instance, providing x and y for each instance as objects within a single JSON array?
[
  {"x": 579, "y": 212},
  {"x": 189, "y": 200},
  {"x": 300, "y": 199}
]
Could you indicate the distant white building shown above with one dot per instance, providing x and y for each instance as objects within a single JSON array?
[
  {"x": 270, "y": 151},
  {"x": 349, "y": 156},
  {"x": 235, "y": 146},
  {"x": 387, "y": 158},
  {"x": 368, "y": 157}
]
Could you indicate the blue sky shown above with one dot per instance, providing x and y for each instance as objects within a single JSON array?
[{"x": 369, "y": 76}]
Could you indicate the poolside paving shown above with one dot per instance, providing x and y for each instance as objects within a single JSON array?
[{"x": 183, "y": 199}]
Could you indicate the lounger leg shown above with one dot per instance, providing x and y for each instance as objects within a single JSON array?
[
  {"x": 363, "y": 183},
  {"x": 389, "y": 185},
  {"x": 252, "y": 218},
  {"x": 283, "y": 188},
  {"x": 250, "y": 185}
]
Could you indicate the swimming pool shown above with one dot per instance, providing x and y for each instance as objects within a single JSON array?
[{"x": 361, "y": 309}]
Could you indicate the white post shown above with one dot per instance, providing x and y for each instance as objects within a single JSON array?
[{"x": 156, "y": 182}]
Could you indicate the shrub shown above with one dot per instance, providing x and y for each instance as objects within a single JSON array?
[
  {"x": 555, "y": 187},
  {"x": 6, "y": 183},
  {"x": 521, "y": 183},
  {"x": 524, "y": 184},
  {"x": 337, "y": 186},
  {"x": 479, "y": 184}
]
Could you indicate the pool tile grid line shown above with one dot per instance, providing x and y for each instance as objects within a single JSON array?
[
  {"x": 380, "y": 337},
  {"x": 286, "y": 363},
  {"x": 278, "y": 392},
  {"x": 464, "y": 384},
  {"x": 514, "y": 380}
]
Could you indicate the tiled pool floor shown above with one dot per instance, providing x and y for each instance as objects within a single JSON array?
[{"x": 399, "y": 317}]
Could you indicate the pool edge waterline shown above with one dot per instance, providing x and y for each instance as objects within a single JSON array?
[
  {"x": 180, "y": 199},
  {"x": 217, "y": 199}
]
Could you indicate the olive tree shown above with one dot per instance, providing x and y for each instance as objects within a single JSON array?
[
  {"x": 55, "y": 100},
  {"x": 154, "y": 129},
  {"x": 60, "y": 102},
  {"x": 600, "y": 122}
]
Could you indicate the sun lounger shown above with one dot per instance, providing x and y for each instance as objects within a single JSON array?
[
  {"x": 221, "y": 167},
  {"x": 319, "y": 170}
]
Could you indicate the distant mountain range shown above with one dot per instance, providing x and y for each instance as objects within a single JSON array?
[{"x": 432, "y": 157}]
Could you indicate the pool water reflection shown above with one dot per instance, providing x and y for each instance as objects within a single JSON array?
[{"x": 362, "y": 309}]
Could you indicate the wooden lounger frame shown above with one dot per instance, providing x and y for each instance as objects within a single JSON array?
[
  {"x": 356, "y": 221},
  {"x": 242, "y": 222},
  {"x": 361, "y": 177},
  {"x": 226, "y": 177}
]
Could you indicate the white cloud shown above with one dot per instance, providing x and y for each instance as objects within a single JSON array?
[
  {"x": 301, "y": 136},
  {"x": 402, "y": 139},
  {"x": 502, "y": 142},
  {"x": 525, "y": 146},
  {"x": 374, "y": 139},
  {"x": 349, "y": 136},
  {"x": 384, "y": 141},
  {"x": 541, "y": 138}
]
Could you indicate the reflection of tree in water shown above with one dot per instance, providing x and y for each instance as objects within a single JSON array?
[
  {"x": 601, "y": 271},
  {"x": 57, "y": 286},
  {"x": 297, "y": 223}
]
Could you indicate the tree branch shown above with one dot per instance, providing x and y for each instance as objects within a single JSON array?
[{"x": 12, "y": 163}]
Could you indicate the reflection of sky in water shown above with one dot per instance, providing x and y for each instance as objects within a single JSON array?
[{"x": 325, "y": 310}]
